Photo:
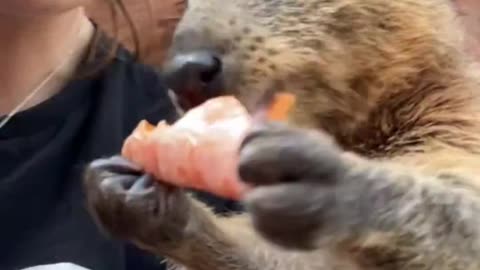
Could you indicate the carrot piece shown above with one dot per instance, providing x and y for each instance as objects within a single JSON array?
[
  {"x": 280, "y": 107},
  {"x": 199, "y": 150}
]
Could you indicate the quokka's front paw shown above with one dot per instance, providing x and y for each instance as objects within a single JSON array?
[
  {"x": 304, "y": 190},
  {"x": 130, "y": 205}
]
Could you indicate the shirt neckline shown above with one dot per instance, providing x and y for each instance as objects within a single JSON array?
[{"x": 73, "y": 94}]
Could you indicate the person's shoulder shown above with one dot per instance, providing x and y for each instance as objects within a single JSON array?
[
  {"x": 143, "y": 88},
  {"x": 137, "y": 90},
  {"x": 141, "y": 79}
]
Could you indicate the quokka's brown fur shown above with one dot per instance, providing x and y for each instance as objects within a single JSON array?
[{"x": 388, "y": 80}]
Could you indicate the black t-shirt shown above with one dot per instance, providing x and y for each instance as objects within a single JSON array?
[{"x": 43, "y": 152}]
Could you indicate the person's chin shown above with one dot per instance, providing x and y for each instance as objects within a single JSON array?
[{"x": 39, "y": 8}]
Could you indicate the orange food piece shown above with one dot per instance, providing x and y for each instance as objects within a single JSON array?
[
  {"x": 280, "y": 107},
  {"x": 199, "y": 151}
]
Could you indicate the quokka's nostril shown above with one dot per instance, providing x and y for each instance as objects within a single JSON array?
[
  {"x": 192, "y": 71},
  {"x": 212, "y": 71}
]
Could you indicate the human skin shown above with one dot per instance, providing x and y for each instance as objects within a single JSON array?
[
  {"x": 59, "y": 29},
  {"x": 154, "y": 21}
]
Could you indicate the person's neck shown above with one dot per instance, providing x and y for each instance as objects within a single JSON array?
[{"x": 33, "y": 48}]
